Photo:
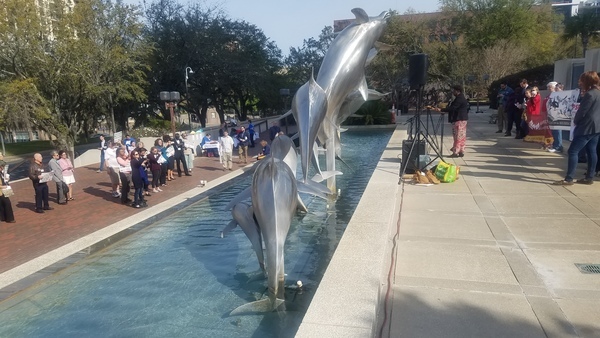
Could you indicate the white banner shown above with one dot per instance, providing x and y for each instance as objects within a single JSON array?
[{"x": 562, "y": 107}]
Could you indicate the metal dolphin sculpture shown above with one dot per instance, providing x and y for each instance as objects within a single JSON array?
[
  {"x": 343, "y": 68},
  {"x": 309, "y": 107},
  {"x": 274, "y": 199},
  {"x": 283, "y": 149}
]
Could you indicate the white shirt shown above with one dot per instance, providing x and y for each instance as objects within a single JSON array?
[
  {"x": 226, "y": 144},
  {"x": 110, "y": 155}
]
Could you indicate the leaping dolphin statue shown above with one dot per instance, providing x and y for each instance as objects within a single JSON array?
[
  {"x": 309, "y": 107},
  {"x": 342, "y": 70},
  {"x": 274, "y": 202}
]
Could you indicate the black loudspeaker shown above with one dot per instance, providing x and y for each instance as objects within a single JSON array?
[
  {"x": 417, "y": 70},
  {"x": 411, "y": 163}
]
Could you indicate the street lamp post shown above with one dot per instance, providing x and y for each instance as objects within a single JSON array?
[
  {"x": 188, "y": 70},
  {"x": 171, "y": 99}
]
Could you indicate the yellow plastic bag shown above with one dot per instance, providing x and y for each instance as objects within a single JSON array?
[{"x": 446, "y": 172}]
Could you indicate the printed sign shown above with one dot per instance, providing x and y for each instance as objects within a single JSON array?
[
  {"x": 117, "y": 137},
  {"x": 562, "y": 107}
]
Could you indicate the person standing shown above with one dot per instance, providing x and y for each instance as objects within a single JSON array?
[
  {"x": 6, "y": 211},
  {"x": 57, "y": 177},
  {"x": 251, "y": 133},
  {"x": 163, "y": 160},
  {"x": 458, "y": 111},
  {"x": 155, "y": 168},
  {"x": 102, "y": 149},
  {"x": 503, "y": 94},
  {"x": 557, "y": 145},
  {"x": 124, "y": 174},
  {"x": 226, "y": 145},
  {"x": 188, "y": 152},
  {"x": 67, "y": 172},
  {"x": 520, "y": 100},
  {"x": 112, "y": 168},
  {"x": 179, "y": 146},
  {"x": 137, "y": 166},
  {"x": 243, "y": 138},
  {"x": 274, "y": 131},
  {"x": 587, "y": 129},
  {"x": 36, "y": 169}
]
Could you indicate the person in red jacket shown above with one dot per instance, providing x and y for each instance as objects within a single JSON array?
[{"x": 536, "y": 118}]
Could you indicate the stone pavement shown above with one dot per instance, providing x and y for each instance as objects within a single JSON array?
[
  {"x": 493, "y": 254},
  {"x": 34, "y": 235}
]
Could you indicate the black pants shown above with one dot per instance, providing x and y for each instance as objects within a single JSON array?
[
  {"x": 41, "y": 195},
  {"x": 6, "y": 211},
  {"x": 179, "y": 158},
  {"x": 514, "y": 117},
  {"x": 155, "y": 178},
  {"x": 163, "y": 173},
  {"x": 251, "y": 138},
  {"x": 125, "y": 186}
]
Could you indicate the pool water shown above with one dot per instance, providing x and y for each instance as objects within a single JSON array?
[{"x": 179, "y": 278}]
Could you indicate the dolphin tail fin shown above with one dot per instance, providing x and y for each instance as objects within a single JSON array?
[
  {"x": 313, "y": 188},
  {"x": 228, "y": 228},
  {"x": 325, "y": 175},
  {"x": 289, "y": 112},
  {"x": 245, "y": 194},
  {"x": 301, "y": 206},
  {"x": 259, "y": 306},
  {"x": 342, "y": 160}
]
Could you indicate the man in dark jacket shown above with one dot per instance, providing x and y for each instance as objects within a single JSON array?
[
  {"x": 243, "y": 138},
  {"x": 36, "y": 171},
  {"x": 458, "y": 111},
  {"x": 179, "y": 146}
]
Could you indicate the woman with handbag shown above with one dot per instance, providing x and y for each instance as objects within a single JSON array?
[
  {"x": 6, "y": 211},
  {"x": 68, "y": 173}
]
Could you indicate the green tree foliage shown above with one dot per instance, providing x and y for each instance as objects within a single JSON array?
[
  {"x": 59, "y": 71},
  {"x": 585, "y": 26},
  {"x": 484, "y": 22},
  {"x": 306, "y": 59},
  {"x": 235, "y": 65}
]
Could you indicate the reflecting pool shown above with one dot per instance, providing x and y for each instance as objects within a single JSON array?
[{"x": 179, "y": 278}]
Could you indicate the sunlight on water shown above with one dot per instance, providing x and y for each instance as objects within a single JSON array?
[{"x": 179, "y": 278}]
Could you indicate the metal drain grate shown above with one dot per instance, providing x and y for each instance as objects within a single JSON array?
[{"x": 588, "y": 268}]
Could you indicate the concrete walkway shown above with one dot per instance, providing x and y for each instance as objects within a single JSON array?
[{"x": 493, "y": 254}]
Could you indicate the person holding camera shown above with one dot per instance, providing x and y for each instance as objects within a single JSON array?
[{"x": 138, "y": 164}]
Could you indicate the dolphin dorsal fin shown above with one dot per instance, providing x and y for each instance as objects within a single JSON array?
[
  {"x": 364, "y": 89},
  {"x": 382, "y": 46},
  {"x": 361, "y": 15}
]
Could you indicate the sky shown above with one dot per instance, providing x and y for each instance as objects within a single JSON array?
[{"x": 289, "y": 22}]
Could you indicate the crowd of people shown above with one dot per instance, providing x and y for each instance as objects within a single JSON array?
[
  {"x": 130, "y": 166},
  {"x": 526, "y": 111}
]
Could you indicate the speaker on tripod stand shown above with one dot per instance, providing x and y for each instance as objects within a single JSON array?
[
  {"x": 417, "y": 70},
  {"x": 415, "y": 150}
]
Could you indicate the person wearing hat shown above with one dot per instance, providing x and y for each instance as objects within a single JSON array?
[
  {"x": 6, "y": 211},
  {"x": 557, "y": 145}
]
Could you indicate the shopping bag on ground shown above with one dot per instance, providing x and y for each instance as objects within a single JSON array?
[{"x": 446, "y": 172}]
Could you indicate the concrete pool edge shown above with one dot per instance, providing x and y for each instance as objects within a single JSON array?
[
  {"x": 31, "y": 272},
  {"x": 347, "y": 302}
]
